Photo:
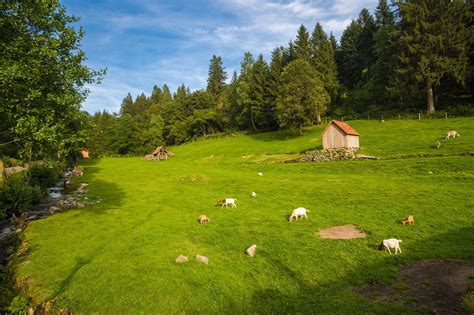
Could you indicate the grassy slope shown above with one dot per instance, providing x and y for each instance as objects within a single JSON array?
[{"x": 118, "y": 256}]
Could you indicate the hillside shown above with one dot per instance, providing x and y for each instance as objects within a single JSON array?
[{"x": 118, "y": 256}]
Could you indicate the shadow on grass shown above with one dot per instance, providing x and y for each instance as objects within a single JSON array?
[
  {"x": 109, "y": 192},
  {"x": 275, "y": 136},
  {"x": 324, "y": 297}
]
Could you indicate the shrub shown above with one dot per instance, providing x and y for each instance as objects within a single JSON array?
[
  {"x": 19, "y": 304},
  {"x": 17, "y": 196},
  {"x": 44, "y": 174}
]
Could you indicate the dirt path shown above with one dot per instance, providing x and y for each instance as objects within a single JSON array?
[{"x": 434, "y": 286}]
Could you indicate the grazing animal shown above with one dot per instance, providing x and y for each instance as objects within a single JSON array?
[
  {"x": 297, "y": 213},
  {"x": 392, "y": 243},
  {"x": 251, "y": 250},
  {"x": 410, "y": 220},
  {"x": 203, "y": 218},
  {"x": 229, "y": 201},
  {"x": 220, "y": 202},
  {"x": 382, "y": 121},
  {"x": 254, "y": 194},
  {"x": 260, "y": 174},
  {"x": 438, "y": 144},
  {"x": 452, "y": 133}
]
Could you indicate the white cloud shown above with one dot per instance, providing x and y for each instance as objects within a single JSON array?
[{"x": 155, "y": 44}]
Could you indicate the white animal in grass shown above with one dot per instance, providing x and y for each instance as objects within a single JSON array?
[
  {"x": 297, "y": 213},
  {"x": 254, "y": 194},
  {"x": 260, "y": 174},
  {"x": 392, "y": 243},
  {"x": 229, "y": 201},
  {"x": 452, "y": 133}
]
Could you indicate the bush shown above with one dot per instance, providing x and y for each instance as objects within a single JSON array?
[
  {"x": 44, "y": 174},
  {"x": 17, "y": 196},
  {"x": 19, "y": 304}
]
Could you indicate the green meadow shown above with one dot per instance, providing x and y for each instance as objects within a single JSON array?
[{"x": 118, "y": 256}]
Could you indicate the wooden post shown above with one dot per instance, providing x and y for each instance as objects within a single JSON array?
[
  {"x": 399, "y": 117},
  {"x": 342, "y": 118},
  {"x": 446, "y": 115},
  {"x": 419, "y": 116}
]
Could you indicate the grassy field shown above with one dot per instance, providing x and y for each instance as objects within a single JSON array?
[{"x": 118, "y": 256}]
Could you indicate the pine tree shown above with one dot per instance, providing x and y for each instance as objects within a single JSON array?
[
  {"x": 435, "y": 42},
  {"x": 366, "y": 43},
  {"x": 386, "y": 49},
  {"x": 289, "y": 54},
  {"x": 349, "y": 67},
  {"x": 257, "y": 92},
  {"x": 323, "y": 61},
  {"x": 217, "y": 76},
  {"x": 243, "y": 92},
  {"x": 155, "y": 97},
  {"x": 127, "y": 105},
  {"x": 272, "y": 85},
  {"x": 302, "y": 46}
]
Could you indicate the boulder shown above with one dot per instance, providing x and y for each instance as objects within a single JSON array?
[
  {"x": 181, "y": 259},
  {"x": 202, "y": 259}
]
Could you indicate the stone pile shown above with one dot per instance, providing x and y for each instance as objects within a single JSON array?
[{"x": 328, "y": 155}]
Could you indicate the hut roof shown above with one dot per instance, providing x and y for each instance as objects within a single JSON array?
[{"x": 348, "y": 130}]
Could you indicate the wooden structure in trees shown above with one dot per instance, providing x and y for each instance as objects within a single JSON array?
[
  {"x": 338, "y": 134},
  {"x": 159, "y": 153},
  {"x": 85, "y": 154}
]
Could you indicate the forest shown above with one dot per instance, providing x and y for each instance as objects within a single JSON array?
[{"x": 406, "y": 58}]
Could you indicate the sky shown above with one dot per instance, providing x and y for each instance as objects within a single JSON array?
[{"x": 143, "y": 43}]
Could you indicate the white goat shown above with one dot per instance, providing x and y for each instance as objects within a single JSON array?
[
  {"x": 251, "y": 250},
  {"x": 392, "y": 243},
  {"x": 260, "y": 174},
  {"x": 452, "y": 133},
  {"x": 229, "y": 201},
  {"x": 297, "y": 213},
  {"x": 254, "y": 194}
]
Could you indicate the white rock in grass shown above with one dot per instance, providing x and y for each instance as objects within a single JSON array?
[
  {"x": 202, "y": 259},
  {"x": 251, "y": 250},
  {"x": 254, "y": 194},
  {"x": 181, "y": 259}
]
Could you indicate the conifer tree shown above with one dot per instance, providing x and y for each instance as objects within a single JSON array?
[
  {"x": 302, "y": 46},
  {"x": 127, "y": 105},
  {"x": 257, "y": 92},
  {"x": 216, "y": 77},
  {"x": 272, "y": 85},
  {"x": 323, "y": 61},
  {"x": 435, "y": 41},
  {"x": 243, "y": 92}
]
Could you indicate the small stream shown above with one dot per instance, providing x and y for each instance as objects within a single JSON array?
[{"x": 39, "y": 211}]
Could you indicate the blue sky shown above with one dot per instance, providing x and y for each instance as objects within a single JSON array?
[{"x": 143, "y": 43}]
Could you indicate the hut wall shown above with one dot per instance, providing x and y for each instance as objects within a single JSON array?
[
  {"x": 352, "y": 141},
  {"x": 333, "y": 138}
]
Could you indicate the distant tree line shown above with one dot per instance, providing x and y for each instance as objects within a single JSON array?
[{"x": 407, "y": 57}]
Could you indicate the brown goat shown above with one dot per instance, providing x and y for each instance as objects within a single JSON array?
[
  {"x": 203, "y": 218},
  {"x": 410, "y": 220}
]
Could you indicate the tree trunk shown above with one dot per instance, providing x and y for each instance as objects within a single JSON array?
[
  {"x": 301, "y": 130},
  {"x": 318, "y": 118},
  {"x": 429, "y": 97},
  {"x": 251, "y": 119}
]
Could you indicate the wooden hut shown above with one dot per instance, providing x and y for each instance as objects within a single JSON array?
[{"x": 338, "y": 134}]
